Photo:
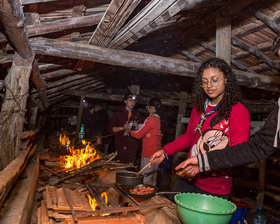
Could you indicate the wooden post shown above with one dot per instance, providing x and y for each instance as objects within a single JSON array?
[
  {"x": 79, "y": 119},
  {"x": 13, "y": 108},
  {"x": 223, "y": 37}
]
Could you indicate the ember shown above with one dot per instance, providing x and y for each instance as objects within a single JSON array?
[{"x": 79, "y": 157}]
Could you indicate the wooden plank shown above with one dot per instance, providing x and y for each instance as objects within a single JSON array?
[
  {"x": 159, "y": 22},
  {"x": 56, "y": 200},
  {"x": 18, "y": 208},
  {"x": 115, "y": 16},
  {"x": 142, "y": 19}
]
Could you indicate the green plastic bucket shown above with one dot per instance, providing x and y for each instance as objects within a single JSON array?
[{"x": 196, "y": 208}]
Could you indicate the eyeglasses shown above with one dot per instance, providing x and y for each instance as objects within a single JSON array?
[{"x": 214, "y": 82}]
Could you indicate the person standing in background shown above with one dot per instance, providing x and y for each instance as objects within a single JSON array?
[
  {"x": 151, "y": 134},
  {"x": 127, "y": 117}
]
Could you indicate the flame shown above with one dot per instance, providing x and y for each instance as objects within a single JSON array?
[
  {"x": 79, "y": 157},
  {"x": 64, "y": 140},
  {"x": 94, "y": 205}
]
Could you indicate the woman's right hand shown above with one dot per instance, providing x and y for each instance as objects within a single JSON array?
[{"x": 157, "y": 157}]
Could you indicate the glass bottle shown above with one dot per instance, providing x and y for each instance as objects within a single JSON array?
[{"x": 259, "y": 217}]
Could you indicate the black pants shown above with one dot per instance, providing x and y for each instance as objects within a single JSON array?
[{"x": 182, "y": 185}]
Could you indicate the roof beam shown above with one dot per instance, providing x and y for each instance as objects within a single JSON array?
[
  {"x": 154, "y": 13},
  {"x": 140, "y": 60},
  {"x": 261, "y": 56},
  {"x": 113, "y": 19},
  {"x": 234, "y": 62},
  {"x": 63, "y": 24},
  {"x": 12, "y": 17},
  {"x": 113, "y": 57},
  {"x": 119, "y": 98},
  {"x": 272, "y": 24}
]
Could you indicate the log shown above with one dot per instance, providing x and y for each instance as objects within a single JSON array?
[
  {"x": 13, "y": 108},
  {"x": 39, "y": 83},
  {"x": 272, "y": 24},
  {"x": 141, "y": 60},
  {"x": 63, "y": 24},
  {"x": 12, "y": 17},
  {"x": 10, "y": 174},
  {"x": 30, "y": 133},
  {"x": 113, "y": 57},
  {"x": 18, "y": 209},
  {"x": 261, "y": 56},
  {"x": 119, "y": 98}
]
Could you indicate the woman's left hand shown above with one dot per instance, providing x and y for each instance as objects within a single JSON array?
[{"x": 188, "y": 168}]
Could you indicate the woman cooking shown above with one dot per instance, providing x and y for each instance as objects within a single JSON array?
[
  {"x": 218, "y": 119},
  {"x": 151, "y": 134}
]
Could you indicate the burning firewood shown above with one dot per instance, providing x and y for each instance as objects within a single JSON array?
[{"x": 103, "y": 163}]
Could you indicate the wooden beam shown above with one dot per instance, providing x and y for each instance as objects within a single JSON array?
[
  {"x": 261, "y": 56},
  {"x": 115, "y": 16},
  {"x": 141, "y": 60},
  {"x": 12, "y": 17},
  {"x": 113, "y": 57},
  {"x": 63, "y": 24},
  {"x": 272, "y": 24},
  {"x": 77, "y": 11},
  {"x": 39, "y": 83},
  {"x": 223, "y": 37},
  {"x": 58, "y": 74},
  {"x": 234, "y": 62},
  {"x": 151, "y": 16},
  {"x": 119, "y": 98},
  {"x": 27, "y": 2},
  {"x": 192, "y": 57},
  {"x": 12, "y": 171},
  {"x": 13, "y": 108}
]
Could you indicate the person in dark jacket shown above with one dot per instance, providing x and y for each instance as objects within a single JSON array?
[
  {"x": 127, "y": 117},
  {"x": 264, "y": 143}
]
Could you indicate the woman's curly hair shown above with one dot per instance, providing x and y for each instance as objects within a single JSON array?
[{"x": 232, "y": 91}]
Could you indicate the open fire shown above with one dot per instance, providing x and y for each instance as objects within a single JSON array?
[
  {"x": 94, "y": 205},
  {"x": 64, "y": 140},
  {"x": 78, "y": 157}
]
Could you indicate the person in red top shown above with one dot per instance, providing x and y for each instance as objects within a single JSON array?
[
  {"x": 218, "y": 119},
  {"x": 151, "y": 134}
]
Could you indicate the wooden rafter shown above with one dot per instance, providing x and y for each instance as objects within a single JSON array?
[
  {"x": 153, "y": 10},
  {"x": 63, "y": 24},
  {"x": 112, "y": 56},
  {"x": 256, "y": 52},
  {"x": 113, "y": 19},
  {"x": 272, "y": 24},
  {"x": 234, "y": 62},
  {"x": 140, "y": 60}
]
